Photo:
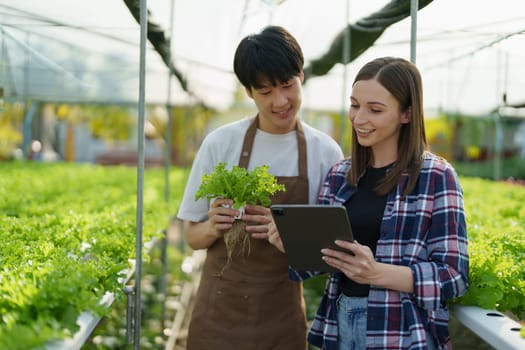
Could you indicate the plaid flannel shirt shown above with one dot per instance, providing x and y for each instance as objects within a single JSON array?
[{"x": 425, "y": 231}]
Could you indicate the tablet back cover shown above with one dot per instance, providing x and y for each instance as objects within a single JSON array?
[{"x": 306, "y": 229}]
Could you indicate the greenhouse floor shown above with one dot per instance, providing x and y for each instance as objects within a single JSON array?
[{"x": 179, "y": 329}]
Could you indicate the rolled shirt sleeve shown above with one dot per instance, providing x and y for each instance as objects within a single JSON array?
[{"x": 445, "y": 275}]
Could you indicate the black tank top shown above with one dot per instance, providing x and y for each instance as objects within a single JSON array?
[{"x": 365, "y": 211}]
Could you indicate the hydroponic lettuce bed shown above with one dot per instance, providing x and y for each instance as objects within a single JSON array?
[
  {"x": 67, "y": 235},
  {"x": 496, "y": 231}
]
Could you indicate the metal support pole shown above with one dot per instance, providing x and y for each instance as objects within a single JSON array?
[
  {"x": 163, "y": 289},
  {"x": 414, "y": 5},
  {"x": 498, "y": 146},
  {"x": 128, "y": 290},
  {"x": 140, "y": 172},
  {"x": 28, "y": 120},
  {"x": 167, "y": 163},
  {"x": 163, "y": 284},
  {"x": 347, "y": 46}
]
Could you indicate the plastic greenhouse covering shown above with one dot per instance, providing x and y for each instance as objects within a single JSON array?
[
  {"x": 85, "y": 51},
  {"x": 65, "y": 51}
]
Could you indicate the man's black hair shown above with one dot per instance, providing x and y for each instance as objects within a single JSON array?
[{"x": 273, "y": 54}]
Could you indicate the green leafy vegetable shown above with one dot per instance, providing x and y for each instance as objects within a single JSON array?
[
  {"x": 67, "y": 232},
  {"x": 244, "y": 187}
]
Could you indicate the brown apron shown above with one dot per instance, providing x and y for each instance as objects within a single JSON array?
[{"x": 251, "y": 304}]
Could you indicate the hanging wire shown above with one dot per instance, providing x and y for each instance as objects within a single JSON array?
[
  {"x": 43, "y": 59},
  {"x": 54, "y": 23},
  {"x": 478, "y": 49}
]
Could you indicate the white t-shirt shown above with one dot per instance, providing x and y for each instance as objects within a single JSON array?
[{"x": 279, "y": 152}]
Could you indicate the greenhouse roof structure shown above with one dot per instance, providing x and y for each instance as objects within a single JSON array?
[
  {"x": 75, "y": 51},
  {"x": 88, "y": 51}
]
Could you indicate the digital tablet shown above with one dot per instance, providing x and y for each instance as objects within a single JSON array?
[{"x": 306, "y": 229}]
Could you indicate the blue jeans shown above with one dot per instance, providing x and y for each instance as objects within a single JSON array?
[
  {"x": 351, "y": 322},
  {"x": 431, "y": 343}
]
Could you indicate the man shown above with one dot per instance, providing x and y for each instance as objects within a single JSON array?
[{"x": 251, "y": 303}]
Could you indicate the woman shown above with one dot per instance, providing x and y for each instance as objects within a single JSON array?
[{"x": 405, "y": 206}]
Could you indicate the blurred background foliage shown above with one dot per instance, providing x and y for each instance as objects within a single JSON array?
[{"x": 477, "y": 145}]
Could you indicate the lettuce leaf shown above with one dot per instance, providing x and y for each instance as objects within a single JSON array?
[{"x": 242, "y": 186}]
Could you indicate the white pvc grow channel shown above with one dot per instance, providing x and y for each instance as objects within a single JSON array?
[
  {"x": 495, "y": 328},
  {"x": 87, "y": 321}
]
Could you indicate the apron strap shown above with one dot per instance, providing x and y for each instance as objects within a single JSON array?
[
  {"x": 301, "y": 147},
  {"x": 247, "y": 145}
]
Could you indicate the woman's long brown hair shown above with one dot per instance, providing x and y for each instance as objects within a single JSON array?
[{"x": 403, "y": 80}]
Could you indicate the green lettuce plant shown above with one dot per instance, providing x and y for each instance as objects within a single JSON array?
[{"x": 243, "y": 187}]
